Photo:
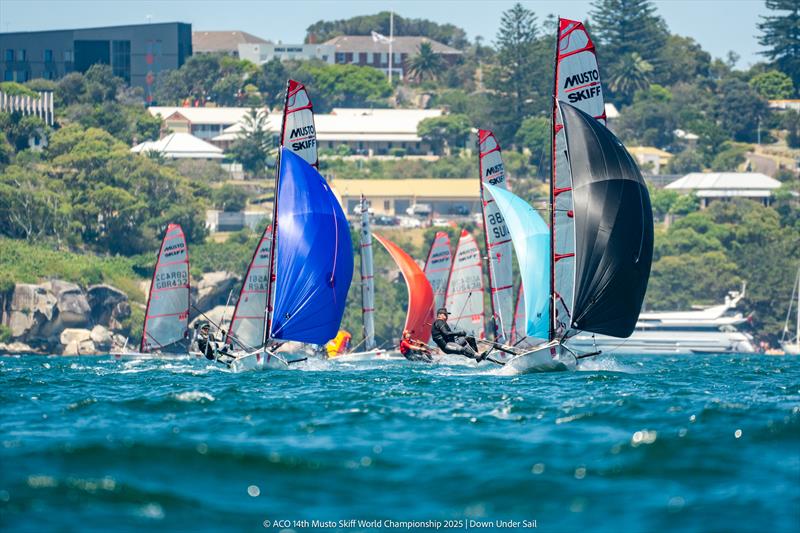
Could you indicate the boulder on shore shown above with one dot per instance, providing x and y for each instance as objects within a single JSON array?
[
  {"x": 77, "y": 341},
  {"x": 32, "y": 307},
  {"x": 16, "y": 348},
  {"x": 213, "y": 289},
  {"x": 73, "y": 308},
  {"x": 109, "y": 305}
]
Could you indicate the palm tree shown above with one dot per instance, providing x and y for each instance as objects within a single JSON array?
[
  {"x": 628, "y": 75},
  {"x": 254, "y": 142},
  {"x": 426, "y": 63}
]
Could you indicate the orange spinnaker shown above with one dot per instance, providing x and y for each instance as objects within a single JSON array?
[{"x": 420, "y": 294}]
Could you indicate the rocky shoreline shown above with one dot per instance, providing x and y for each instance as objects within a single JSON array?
[{"x": 62, "y": 318}]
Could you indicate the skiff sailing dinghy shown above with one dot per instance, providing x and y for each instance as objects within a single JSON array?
[
  {"x": 592, "y": 274},
  {"x": 165, "y": 332}
]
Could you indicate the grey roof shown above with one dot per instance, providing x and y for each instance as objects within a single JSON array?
[
  {"x": 725, "y": 181},
  {"x": 402, "y": 45},
  {"x": 222, "y": 41}
]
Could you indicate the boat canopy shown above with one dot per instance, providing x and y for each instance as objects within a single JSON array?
[
  {"x": 313, "y": 255},
  {"x": 419, "y": 317},
  {"x": 613, "y": 227},
  {"x": 531, "y": 238},
  {"x": 166, "y": 319}
]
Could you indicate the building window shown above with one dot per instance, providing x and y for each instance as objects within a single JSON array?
[
  {"x": 339, "y": 58},
  {"x": 121, "y": 59},
  {"x": 348, "y": 57},
  {"x": 48, "y": 56},
  {"x": 325, "y": 58},
  {"x": 9, "y": 55},
  {"x": 8, "y": 75},
  {"x": 22, "y": 76},
  {"x": 376, "y": 58},
  {"x": 387, "y": 204},
  {"x": 49, "y": 75},
  {"x": 362, "y": 58},
  {"x": 68, "y": 56},
  {"x": 21, "y": 55}
]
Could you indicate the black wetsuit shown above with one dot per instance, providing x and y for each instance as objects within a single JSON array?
[
  {"x": 206, "y": 347},
  {"x": 450, "y": 341}
]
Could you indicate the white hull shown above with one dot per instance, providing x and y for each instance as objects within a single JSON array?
[
  {"x": 550, "y": 357},
  {"x": 791, "y": 348},
  {"x": 371, "y": 355},
  {"x": 258, "y": 360},
  {"x": 152, "y": 355},
  {"x": 666, "y": 342}
]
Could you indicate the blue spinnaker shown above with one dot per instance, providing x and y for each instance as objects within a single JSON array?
[
  {"x": 313, "y": 255},
  {"x": 531, "y": 238}
]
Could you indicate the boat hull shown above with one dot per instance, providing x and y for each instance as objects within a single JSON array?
[
  {"x": 258, "y": 360},
  {"x": 791, "y": 348},
  {"x": 666, "y": 342},
  {"x": 551, "y": 357},
  {"x": 369, "y": 355}
]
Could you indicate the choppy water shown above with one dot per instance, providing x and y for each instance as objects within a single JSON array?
[{"x": 695, "y": 443}]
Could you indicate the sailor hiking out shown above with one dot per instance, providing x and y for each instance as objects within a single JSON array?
[
  {"x": 457, "y": 342},
  {"x": 414, "y": 350}
]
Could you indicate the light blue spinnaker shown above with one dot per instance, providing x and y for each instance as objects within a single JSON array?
[
  {"x": 313, "y": 255},
  {"x": 531, "y": 238}
]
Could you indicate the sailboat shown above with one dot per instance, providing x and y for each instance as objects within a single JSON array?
[
  {"x": 371, "y": 350},
  {"x": 496, "y": 237},
  {"x": 310, "y": 265},
  {"x": 464, "y": 297},
  {"x": 437, "y": 267},
  {"x": 792, "y": 346},
  {"x": 166, "y": 318},
  {"x": 419, "y": 316},
  {"x": 596, "y": 264}
]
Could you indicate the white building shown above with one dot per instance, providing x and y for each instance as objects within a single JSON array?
[
  {"x": 727, "y": 185},
  {"x": 363, "y": 131},
  {"x": 260, "y": 53},
  {"x": 180, "y": 146}
]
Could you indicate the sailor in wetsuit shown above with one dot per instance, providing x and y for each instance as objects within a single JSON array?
[
  {"x": 450, "y": 341},
  {"x": 414, "y": 350},
  {"x": 204, "y": 342}
]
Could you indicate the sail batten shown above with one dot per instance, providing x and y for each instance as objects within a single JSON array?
[
  {"x": 497, "y": 241},
  {"x": 167, "y": 312},
  {"x": 419, "y": 316}
]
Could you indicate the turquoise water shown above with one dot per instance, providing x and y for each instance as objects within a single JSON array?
[{"x": 694, "y": 443}]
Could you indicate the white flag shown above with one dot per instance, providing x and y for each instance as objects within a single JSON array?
[{"x": 379, "y": 38}]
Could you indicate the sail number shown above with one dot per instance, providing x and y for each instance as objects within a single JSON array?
[{"x": 498, "y": 224}]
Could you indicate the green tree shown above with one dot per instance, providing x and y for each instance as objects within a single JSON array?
[
  {"x": 624, "y": 27},
  {"x": 445, "y": 132},
  {"x": 347, "y": 86},
  {"x": 534, "y": 134},
  {"x": 739, "y": 109},
  {"x": 780, "y": 35},
  {"x": 254, "y": 142},
  {"x": 514, "y": 76},
  {"x": 627, "y": 75},
  {"x": 681, "y": 60},
  {"x": 272, "y": 82},
  {"x": 230, "y": 198},
  {"x": 791, "y": 122},
  {"x": 773, "y": 85},
  {"x": 426, "y": 64},
  {"x": 101, "y": 84}
]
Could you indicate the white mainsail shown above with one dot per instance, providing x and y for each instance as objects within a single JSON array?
[
  {"x": 298, "y": 133},
  {"x": 247, "y": 324},
  {"x": 437, "y": 267},
  {"x": 498, "y": 240},
  {"x": 577, "y": 81},
  {"x": 166, "y": 318},
  {"x": 367, "y": 279},
  {"x": 465, "y": 287}
]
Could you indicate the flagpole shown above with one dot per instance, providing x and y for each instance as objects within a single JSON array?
[{"x": 391, "y": 40}]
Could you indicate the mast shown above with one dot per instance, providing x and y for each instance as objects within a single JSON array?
[
  {"x": 271, "y": 269},
  {"x": 367, "y": 279},
  {"x": 552, "y": 332}
]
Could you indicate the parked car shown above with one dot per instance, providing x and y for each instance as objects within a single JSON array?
[
  {"x": 460, "y": 210},
  {"x": 420, "y": 210},
  {"x": 385, "y": 220},
  {"x": 440, "y": 222},
  {"x": 410, "y": 222}
]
